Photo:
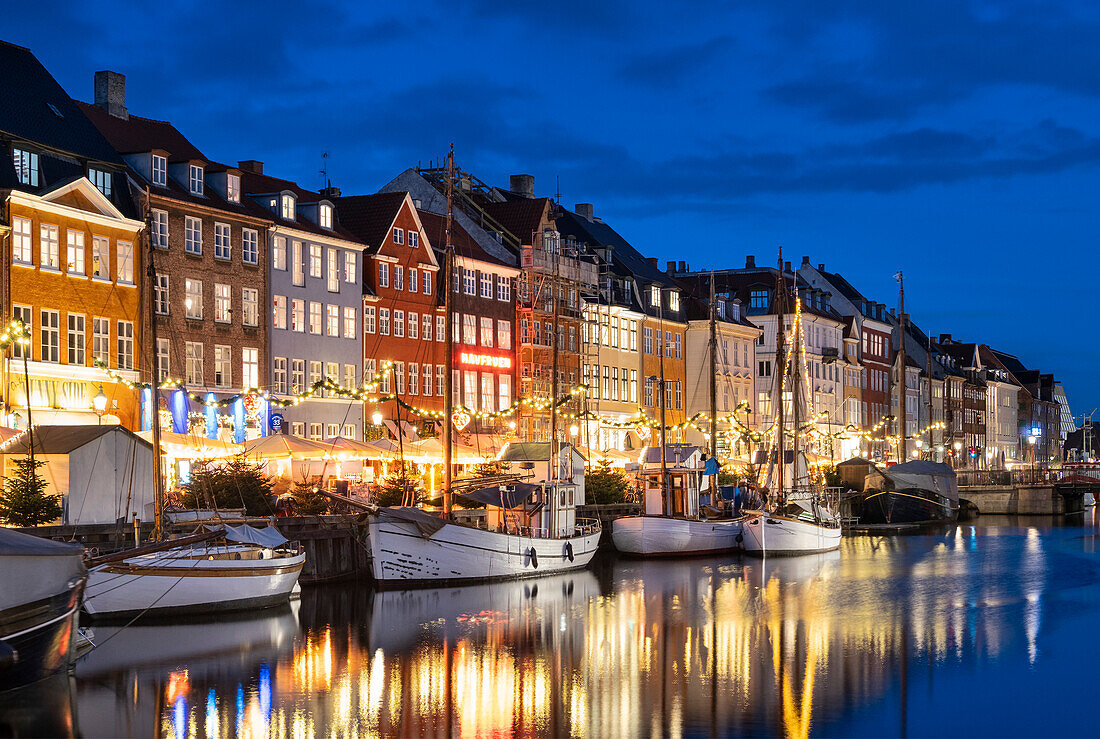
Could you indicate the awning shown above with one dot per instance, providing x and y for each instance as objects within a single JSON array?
[
  {"x": 267, "y": 537},
  {"x": 503, "y": 496}
]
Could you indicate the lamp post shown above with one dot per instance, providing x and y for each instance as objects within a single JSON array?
[
  {"x": 958, "y": 448},
  {"x": 99, "y": 403},
  {"x": 376, "y": 417}
]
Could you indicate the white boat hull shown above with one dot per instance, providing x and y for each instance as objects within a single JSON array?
[
  {"x": 175, "y": 582},
  {"x": 661, "y": 536},
  {"x": 781, "y": 535},
  {"x": 402, "y": 554}
]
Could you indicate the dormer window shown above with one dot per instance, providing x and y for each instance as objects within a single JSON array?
[
  {"x": 233, "y": 188},
  {"x": 195, "y": 179},
  {"x": 655, "y": 296},
  {"x": 286, "y": 206},
  {"x": 326, "y": 215},
  {"x": 26, "y": 166},
  {"x": 160, "y": 170},
  {"x": 674, "y": 301},
  {"x": 101, "y": 180}
]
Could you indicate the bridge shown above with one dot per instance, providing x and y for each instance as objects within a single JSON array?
[{"x": 1028, "y": 491}]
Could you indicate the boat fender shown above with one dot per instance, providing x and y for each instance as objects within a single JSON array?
[
  {"x": 569, "y": 551},
  {"x": 740, "y": 538},
  {"x": 534, "y": 558},
  {"x": 9, "y": 655}
]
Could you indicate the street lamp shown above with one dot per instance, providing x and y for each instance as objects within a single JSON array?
[
  {"x": 377, "y": 418},
  {"x": 99, "y": 403}
]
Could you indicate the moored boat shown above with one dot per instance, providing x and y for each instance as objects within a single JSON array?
[{"x": 918, "y": 492}]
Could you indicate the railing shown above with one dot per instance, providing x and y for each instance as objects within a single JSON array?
[
  {"x": 1083, "y": 476},
  {"x": 585, "y": 526}
]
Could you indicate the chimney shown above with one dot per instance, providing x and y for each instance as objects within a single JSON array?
[
  {"x": 110, "y": 93},
  {"x": 821, "y": 267},
  {"x": 670, "y": 268},
  {"x": 750, "y": 261},
  {"x": 330, "y": 193},
  {"x": 945, "y": 339},
  {"x": 786, "y": 266},
  {"x": 805, "y": 262},
  {"x": 418, "y": 203},
  {"x": 251, "y": 165},
  {"x": 584, "y": 210},
  {"x": 683, "y": 268},
  {"x": 653, "y": 261},
  {"x": 523, "y": 184}
]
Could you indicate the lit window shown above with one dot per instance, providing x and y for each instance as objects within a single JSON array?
[
  {"x": 101, "y": 180},
  {"x": 332, "y": 320},
  {"x": 333, "y": 271},
  {"x": 297, "y": 376},
  {"x": 74, "y": 256},
  {"x": 193, "y": 355},
  {"x": 655, "y": 296},
  {"x": 278, "y": 374},
  {"x": 349, "y": 323},
  {"x": 250, "y": 306},
  {"x": 233, "y": 188},
  {"x": 368, "y": 319},
  {"x": 101, "y": 258},
  {"x": 21, "y": 240},
  {"x": 315, "y": 260},
  {"x": 287, "y": 207},
  {"x": 223, "y": 365},
  {"x": 195, "y": 179},
  {"x": 278, "y": 253},
  {"x": 223, "y": 303},
  {"x": 279, "y": 311},
  {"x": 296, "y": 255},
  {"x": 26, "y": 166},
  {"x": 349, "y": 266},
  {"x": 160, "y": 170},
  {"x": 126, "y": 345},
  {"x": 326, "y": 216},
  {"x": 487, "y": 332},
  {"x": 298, "y": 315},
  {"x": 101, "y": 338},
  {"x": 250, "y": 367},
  {"x": 674, "y": 301},
  {"x": 164, "y": 350},
  {"x": 193, "y": 298},
  {"x": 315, "y": 318}
]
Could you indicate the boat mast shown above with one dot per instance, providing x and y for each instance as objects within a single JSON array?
[
  {"x": 928, "y": 372},
  {"x": 902, "y": 391},
  {"x": 794, "y": 351},
  {"x": 665, "y": 502},
  {"x": 780, "y": 348},
  {"x": 555, "y": 448},
  {"x": 713, "y": 384},
  {"x": 154, "y": 382},
  {"x": 448, "y": 324}
]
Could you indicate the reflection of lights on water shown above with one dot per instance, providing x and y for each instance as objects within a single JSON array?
[{"x": 179, "y": 717}]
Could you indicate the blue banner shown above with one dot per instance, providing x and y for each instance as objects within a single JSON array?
[
  {"x": 238, "y": 421},
  {"x": 147, "y": 409},
  {"x": 211, "y": 416},
  {"x": 179, "y": 412}
]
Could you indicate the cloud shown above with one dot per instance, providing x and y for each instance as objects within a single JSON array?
[{"x": 676, "y": 66}]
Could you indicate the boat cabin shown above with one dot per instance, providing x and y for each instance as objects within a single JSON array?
[
  {"x": 684, "y": 463},
  {"x": 547, "y": 507}
]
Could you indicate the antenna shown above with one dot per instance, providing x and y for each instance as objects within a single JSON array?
[
  {"x": 557, "y": 189},
  {"x": 324, "y": 169}
]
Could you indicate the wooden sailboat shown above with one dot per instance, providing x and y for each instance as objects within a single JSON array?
[
  {"x": 797, "y": 518},
  {"x": 226, "y": 569},
  {"x": 671, "y": 524},
  {"x": 536, "y": 532}
]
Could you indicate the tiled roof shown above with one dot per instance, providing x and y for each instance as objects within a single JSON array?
[
  {"x": 136, "y": 134},
  {"x": 29, "y": 91},
  {"x": 435, "y": 227},
  {"x": 370, "y": 217},
  {"x": 522, "y": 217},
  {"x": 254, "y": 184}
]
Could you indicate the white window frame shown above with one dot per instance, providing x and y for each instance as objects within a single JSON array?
[
  {"x": 223, "y": 365},
  {"x": 75, "y": 334},
  {"x": 278, "y": 253},
  {"x": 49, "y": 247},
  {"x": 250, "y": 246},
  {"x": 75, "y": 253},
  {"x": 192, "y": 292},
  {"x": 349, "y": 322},
  {"x": 315, "y": 263},
  {"x": 223, "y": 303},
  {"x": 193, "y": 363},
  {"x": 160, "y": 229},
  {"x": 22, "y": 242},
  {"x": 223, "y": 245},
  {"x": 192, "y": 239},
  {"x": 398, "y": 236},
  {"x": 278, "y": 311},
  {"x": 161, "y": 294},
  {"x": 101, "y": 258},
  {"x": 26, "y": 166},
  {"x": 125, "y": 345},
  {"x": 195, "y": 179},
  {"x": 158, "y": 168},
  {"x": 298, "y": 315},
  {"x": 250, "y": 306},
  {"x": 233, "y": 187},
  {"x": 333, "y": 276},
  {"x": 250, "y": 367},
  {"x": 350, "y": 266}
]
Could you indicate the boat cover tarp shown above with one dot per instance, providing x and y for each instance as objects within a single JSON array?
[
  {"x": 266, "y": 537},
  {"x": 924, "y": 475},
  {"x": 426, "y": 523},
  {"x": 503, "y": 496},
  {"x": 33, "y": 568}
]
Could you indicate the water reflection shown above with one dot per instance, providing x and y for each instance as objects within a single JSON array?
[{"x": 880, "y": 638}]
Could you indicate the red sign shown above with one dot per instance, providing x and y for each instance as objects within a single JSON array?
[{"x": 471, "y": 359}]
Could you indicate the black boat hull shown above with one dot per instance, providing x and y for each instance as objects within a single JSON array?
[
  {"x": 41, "y": 634},
  {"x": 910, "y": 506}
]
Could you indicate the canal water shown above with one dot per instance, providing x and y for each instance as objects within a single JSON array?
[{"x": 984, "y": 628}]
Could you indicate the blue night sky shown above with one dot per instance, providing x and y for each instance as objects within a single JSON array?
[{"x": 957, "y": 141}]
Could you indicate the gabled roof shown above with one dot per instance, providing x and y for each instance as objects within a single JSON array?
[
  {"x": 435, "y": 227},
  {"x": 370, "y": 217},
  {"x": 29, "y": 92},
  {"x": 135, "y": 134},
  {"x": 254, "y": 185},
  {"x": 521, "y": 216},
  {"x": 64, "y": 439}
]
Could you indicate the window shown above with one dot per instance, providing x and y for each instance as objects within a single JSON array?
[
  {"x": 469, "y": 398},
  {"x": 223, "y": 303},
  {"x": 633, "y": 386},
  {"x": 314, "y": 373},
  {"x": 504, "y": 388},
  {"x": 679, "y": 395},
  {"x": 326, "y": 216},
  {"x": 504, "y": 334},
  {"x": 384, "y": 321},
  {"x": 315, "y": 431},
  {"x": 426, "y": 324},
  {"x": 126, "y": 345},
  {"x": 469, "y": 329},
  {"x": 349, "y": 323},
  {"x": 332, "y": 430},
  {"x": 21, "y": 240},
  {"x": 414, "y": 239},
  {"x": 383, "y": 274},
  {"x": 192, "y": 243},
  {"x": 414, "y": 326},
  {"x": 314, "y": 318},
  {"x": 76, "y": 339},
  {"x": 676, "y": 342},
  {"x": 278, "y": 316},
  {"x": 296, "y": 255},
  {"x": 250, "y": 367},
  {"x": 160, "y": 294},
  {"x": 399, "y": 323},
  {"x": 278, "y": 253},
  {"x": 647, "y": 395},
  {"x": 487, "y": 383},
  {"x": 368, "y": 319},
  {"x": 194, "y": 178},
  {"x": 160, "y": 170},
  {"x": 223, "y": 365},
  {"x": 674, "y": 301},
  {"x": 399, "y": 376},
  {"x": 333, "y": 271},
  {"x": 440, "y": 324},
  {"x": 349, "y": 266},
  {"x": 655, "y": 296},
  {"x": 101, "y": 258},
  {"x": 439, "y": 370},
  {"x": 278, "y": 377},
  {"x": 193, "y": 364},
  {"x": 250, "y": 306},
  {"x": 298, "y": 429},
  {"x": 298, "y": 315},
  {"x": 426, "y": 385},
  {"x": 26, "y": 166},
  {"x": 164, "y": 349},
  {"x": 193, "y": 298},
  {"x": 426, "y": 283},
  {"x": 487, "y": 332},
  {"x": 315, "y": 260},
  {"x": 101, "y": 180},
  {"x": 49, "y": 248},
  {"x": 504, "y": 288},
  {"x": 297, "y": 375},
  {"x": 398, "y": 236},
  {"x": 349, "y": 376},
  {"x": 250, "y": 246},
  {"x": 74, "y": 255},
  {"x": 349, "y": 431},
  {"x": 332, "y": 320},
  {"x": 758, "y": 299},
  {"x": 469, "y": 281},
  {"x": 286, "y": 207},
  {"x": 160, "y": 229},
  {"x": 648, "y": 343},
  {"x": 125, "y": 262},
  {"x": 101, "y": 339},
  {"x": 398, "y": 277},
  {"x": 222, "y": 248},
  {"x": 233, "y": 188},
  {"x": 368, "y": 371},
  {"x": 486, "y": 285}
]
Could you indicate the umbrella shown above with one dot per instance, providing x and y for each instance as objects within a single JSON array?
[
  {"x": 196, "y": 446},
  {"x": 281, "y": 446},
  {"x": 348, "y": 448}
]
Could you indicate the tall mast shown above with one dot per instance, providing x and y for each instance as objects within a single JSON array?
[
  {"x": 902, "y": 390},
  {"x": 158, "y": 474},
  {"x": 665, "y": 502},
  {"x": 555, "y": 449},
  {"x": 713, "y": 379},
  {"x": 928, "y": 372},
  {"x": 794, "y": 351},
  {"x": 780, "y": 348},
  {"x": 448, "y": 326}
]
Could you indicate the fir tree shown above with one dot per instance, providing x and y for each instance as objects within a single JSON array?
[
  {"x": 605, "y": 484},
  {"x": 400, "y": 487},
  {"x": 230, "y": 483},
  {"x": 308, "y": 501},
  {"x": 24, "y": 500}
]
